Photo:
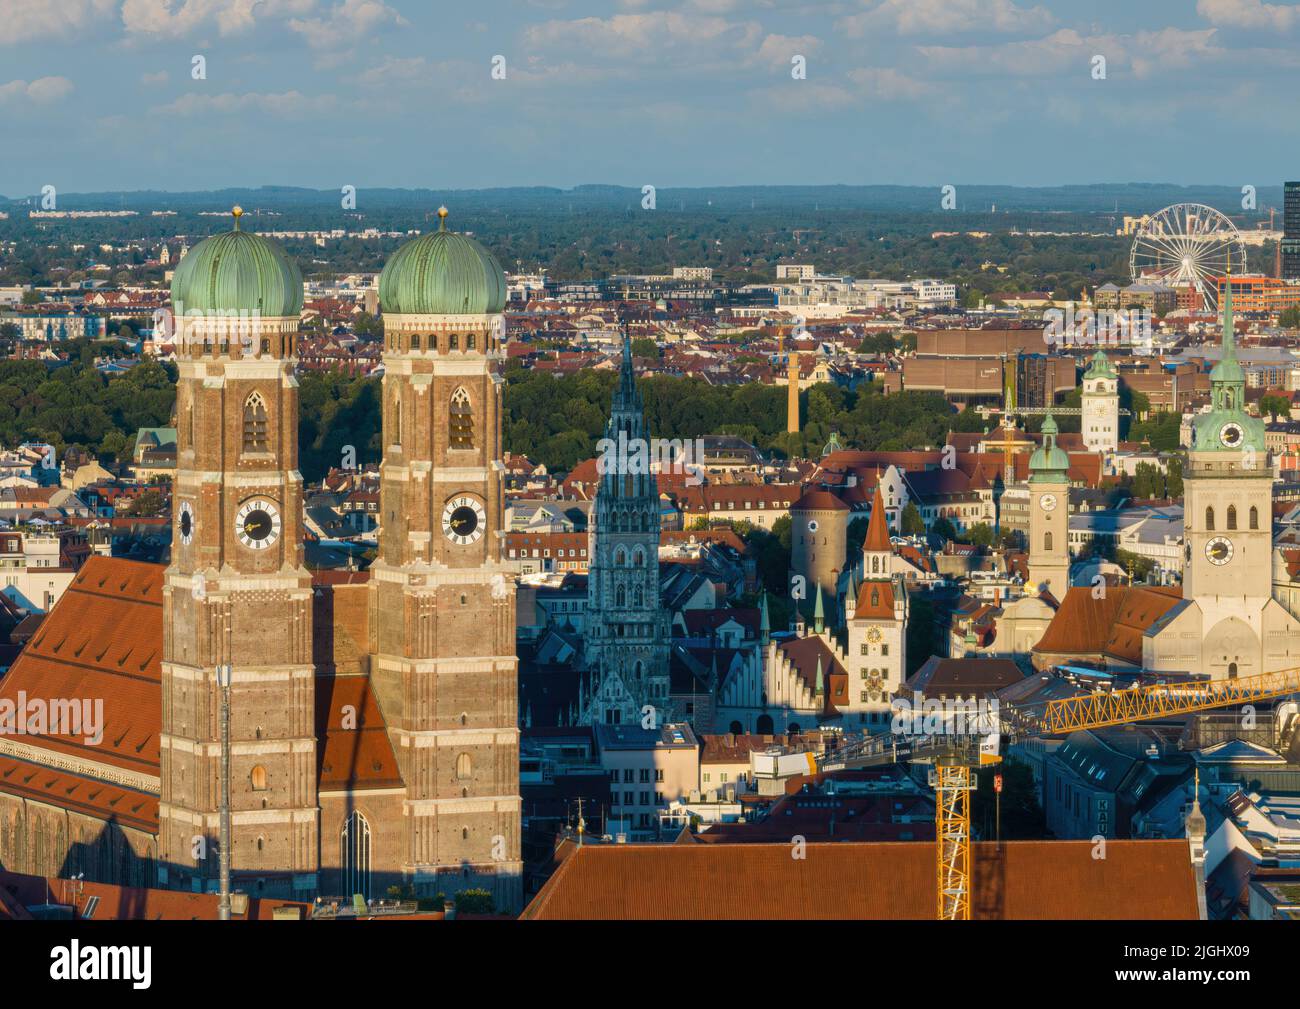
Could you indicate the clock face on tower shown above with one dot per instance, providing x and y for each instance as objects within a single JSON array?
[
  {"x": 873, "y": 634},
  {"x": 463, "y": 520},
  {"x": 1219, "y": 550},
  {"x": 1047, "y": 502},
  {"x": 1231, "y": 435},
  {"x": 186, "y": 523},
  {"x": 257, "y": 523}
]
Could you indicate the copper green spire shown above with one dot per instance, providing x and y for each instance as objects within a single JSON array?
[
  {"x": 1227, "y": 380},
  {"x": 820, "y": 686},
  {"x": 1049, "y": 464},
  {"x": 819, "y": 614}
]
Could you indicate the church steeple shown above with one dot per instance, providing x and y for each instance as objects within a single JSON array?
[{"x": 876, "y": 547}]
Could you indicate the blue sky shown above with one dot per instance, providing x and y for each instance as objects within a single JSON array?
[{"x": 99, "y": 95}]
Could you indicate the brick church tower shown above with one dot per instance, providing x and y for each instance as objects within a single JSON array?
[
  {"x": 442, "y": 617},
  {"x": 236, "y": 591}
]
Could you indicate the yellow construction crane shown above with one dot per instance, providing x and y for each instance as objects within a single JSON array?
[{"x": 954, "y": 755}]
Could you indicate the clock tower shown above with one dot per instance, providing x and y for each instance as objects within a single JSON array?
[
  {"x": 442, "y": 617},
  {"x": 236, "y": 592},
  {"x": 876, "y": 622},
  {"x": 1228, "y": 490},
  {"x": 1049, "y": 515}
]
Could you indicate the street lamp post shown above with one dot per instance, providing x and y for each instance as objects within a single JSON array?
[{"x": 223, "y": 904}]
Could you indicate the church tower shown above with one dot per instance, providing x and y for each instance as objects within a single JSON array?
[
  {"x": 236, "y": 592},
  {"x": 1049, "y": 515},
  {"x": 442, "y": 617},
  {"x": 626, "y": 639},
  {"x": 1100, "y": 400},
  {"x": 876, "y": 617}
]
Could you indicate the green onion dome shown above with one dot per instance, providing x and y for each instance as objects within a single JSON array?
[
  {"x": 442, "y": 273},
  {"x": 238, "y": 271}
]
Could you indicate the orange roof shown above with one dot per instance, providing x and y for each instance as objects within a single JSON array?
[
  {"x": 880, "y": 881},
  {"x": 878, "y": 528},
  {"x": 121, "y": 903},
  {"x": 875, "y": 601},
  {"x": 124, "y": 806},
  {"x": 1110, "y": 625},
  {"x": 102, "y": 641},
  {"x": 354, "y": 750}
]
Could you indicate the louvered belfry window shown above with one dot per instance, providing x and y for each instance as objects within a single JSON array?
[
  {"x": 461, "y": 420},
  {"x": 255, "y": 424}
]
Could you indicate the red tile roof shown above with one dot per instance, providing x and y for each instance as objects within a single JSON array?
[
  {"x": 1112, "y": 624},
  {"x": 878, "y": 528},
  {"x": 875, "y": 601},
  {"x": 881, "y": 881},
  {"x": 102, "y": 641},
  {"x": 354, "y": 750}
]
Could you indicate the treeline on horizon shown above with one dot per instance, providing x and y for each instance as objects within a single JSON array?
[{"x": 554, "y": 420}]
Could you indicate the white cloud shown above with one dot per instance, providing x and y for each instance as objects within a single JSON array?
[
  {"x": 169, "y": 19},
  {"x": 161, "y": 77},
  {"x": 1144, "y": 53},
  {"x": 646, "y": 38},
  {"x": 281, "y": 104},
  {"x": 948, "y": 17},
  {"x": 346, "y": 23},
  {"x": 42, "y": 91},
  {"x": 1249, "y": 14},
  {"x": 25, "y": 20},
  {"x": 889, "y": 84}
]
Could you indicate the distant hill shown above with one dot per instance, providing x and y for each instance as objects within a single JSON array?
[{"x": 1126, "y": 198}]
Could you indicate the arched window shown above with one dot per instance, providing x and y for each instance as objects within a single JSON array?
[
  {"x": 737, "y": 729},
  {"x": 875, "y": 597},
  {"x": 470, "y": 341},
  {"x": 638, "y": 598},
  {"x": 1209, "y": 519},
  {"x": 257, "y": 777},
  {"x": 620, "y": 557},
  {"x": 464, "y": 767},
  {"x": 453, "y": 342},
  {"x": 255, "y": 422},
  {"x": 1047, "y": 540},
  {"x": 415, "y": 342},
  {"x": 1232, "y": 516},
  {"x": 638, "y": 558},
  {"x": 620, "y": 596},
  {"x": 1232, "y": 670},
  {"x": 464, "y": 833},
  {"x": 875, "y": 565},
  {"x": 461, "y": 420},
  {"x": 354, "y": 851},
  {"x": 1254, "y": 517}
]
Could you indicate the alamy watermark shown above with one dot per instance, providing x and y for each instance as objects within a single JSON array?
[
  {"x": 635, "y": 456},
  {"x": 55, "y": 716},
  {"x": 1098, "y": 327},
  {"x": 945, "y": 716}
]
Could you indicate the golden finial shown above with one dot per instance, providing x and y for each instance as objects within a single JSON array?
[
  {"x": 236, "y": 212},
  {"x": 442, "y": 218}
]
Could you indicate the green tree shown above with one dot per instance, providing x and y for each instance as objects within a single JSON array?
[
  {"x": 1274, "y": 405},
  {"x": 911, "y": 522},
  {"x": 1289, "y": 318},
  {"x": 944, "y": 529},
  {"x": 148, "y": 504},
  {"x": 475, "y": 901}
]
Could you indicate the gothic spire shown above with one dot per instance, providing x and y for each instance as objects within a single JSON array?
[{"x": 764, "y": 622}]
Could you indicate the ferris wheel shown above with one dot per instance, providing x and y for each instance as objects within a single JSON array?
[{"x": 1187, "y": 245}]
